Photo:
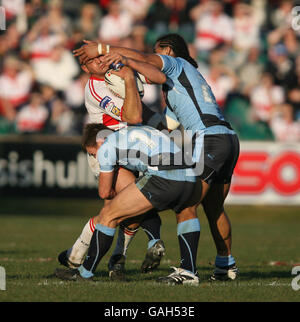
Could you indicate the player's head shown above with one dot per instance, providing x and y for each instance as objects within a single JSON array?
[
  {"x": 94, "y": 66},
  {"x": 174, "y": 45},
  {"x": 93, "y": 137}
]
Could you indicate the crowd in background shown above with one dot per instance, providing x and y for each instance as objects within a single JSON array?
[{"x": 248, "y": 51}]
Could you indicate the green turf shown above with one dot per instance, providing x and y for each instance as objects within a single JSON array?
[{"x": 261, "y": 235}]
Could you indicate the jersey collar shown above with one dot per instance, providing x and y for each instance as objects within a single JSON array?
[{"x": 93, "y": 77}]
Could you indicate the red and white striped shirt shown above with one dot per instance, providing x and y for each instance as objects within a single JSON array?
[
  {"x": 102, "y": 105},
  {"x": 17, "y": 89},
  {"x": 211, "y": 31}
]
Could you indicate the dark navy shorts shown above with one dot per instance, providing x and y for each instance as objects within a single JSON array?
[
  {"x": 167, "y": 194},
  {"x": 221, "y": 152}
]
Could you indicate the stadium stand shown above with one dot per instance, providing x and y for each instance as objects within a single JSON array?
[{"x": 249, "y": 51}]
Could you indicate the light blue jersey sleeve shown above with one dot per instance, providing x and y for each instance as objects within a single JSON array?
[
  {"x": 107, "y": 157},
  {"x": 172, "y": 67}
]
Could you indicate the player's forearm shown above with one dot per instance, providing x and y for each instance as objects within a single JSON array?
[
  {"x": 132, "y": 108},
  {"x": 107, "y": 195},
  {"x": 92, "y": 49},
  {"x": 151, "y": 72},
  {"x": 136, "y": 55},
  {"x": 104, "y": 49},
  {"x": 131, "y": 53},
  {"x": 105, "y": 185}
]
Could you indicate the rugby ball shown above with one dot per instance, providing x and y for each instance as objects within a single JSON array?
[{"x": 116, "y": 84}]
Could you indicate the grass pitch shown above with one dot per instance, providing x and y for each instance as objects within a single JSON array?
[{"x": 265, "y": 244}]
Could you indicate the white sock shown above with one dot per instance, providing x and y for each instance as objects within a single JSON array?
[
  {"x": 125, "y": 237},
  {"x": 76, "y": 253}
]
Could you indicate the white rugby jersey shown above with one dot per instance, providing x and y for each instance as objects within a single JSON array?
[
  {"x": 106, "y": 108},
  {"x": 102, "y": 105}
]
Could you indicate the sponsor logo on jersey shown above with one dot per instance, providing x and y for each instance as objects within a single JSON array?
[
  {"x": 110, "y": 106},
  {"x": 105, "y": 100},
  {"x": 115, "y": 110}
]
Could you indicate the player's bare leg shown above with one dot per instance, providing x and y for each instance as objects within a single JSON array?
[
  {"x": 220, "y": 226},
  {"x": 127, "y": 231},
  {"x": 133, "y": 204},
  {"x": 74, "y": 256},
  {"x": 149, "y": 222}
]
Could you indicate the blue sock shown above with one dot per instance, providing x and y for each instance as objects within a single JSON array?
[
  {"x": 224, "y": 261},
  {"x": 188, "y": 233},
  {"x": 100, "y": 243},
  {"x": 152, "y": 242},
  {"x": 151, "y": 225}
]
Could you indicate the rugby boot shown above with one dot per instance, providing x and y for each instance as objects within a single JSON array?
[
  {"x": 180, "y": 276},
  {"x": 153, "y": 257},
  {"x": 116, "y": 267},
  {"x": 71, "y": 275},
  {"x": 228, "y": 273},
  {"x": 64, "y": 260}
]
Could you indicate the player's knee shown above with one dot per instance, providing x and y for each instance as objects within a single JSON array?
[
  {"x": 187, "y": 214},
  {"x": 110, "y": 217},
  {"x": 104, "y": 217}
]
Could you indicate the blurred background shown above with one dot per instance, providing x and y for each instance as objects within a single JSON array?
[{"x": 248, "y": 51}]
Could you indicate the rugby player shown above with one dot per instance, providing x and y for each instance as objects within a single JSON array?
[
  {"x": 163, "y": 185},
  {"x": 106, "y": 108},
  {"x": 190, "y": 98}
]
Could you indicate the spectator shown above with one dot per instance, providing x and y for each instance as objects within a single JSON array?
[
  {"x": 281, "y": 17},
  {"x": 246, "y": 28},
  {"x": 117, "y": 24},
  {"x": 248, "y": 37},
  {"x": 15, "y": 85},
  {"x": 58, "y": 70},
  {"x": 32, "y": 117},
  {"x": 61, "y": 119},
  {"x": 265, "y": 97},
  {"x": 283, "y": 125},
  {"x": 291, "y": 43},
  {"x": 212, "y": 26},
  {"x": 279, "y": 63},
  {"x": 11, "y": 40},
  {"x": 138, "y": 38},
  {"x": 89, "y": 21},
  {"x": 49, "y": 96},
  {"x": 250, "y": 74},
  {"x": 60, "y": 23},
  {"x": 40, "y": 41},
  {"x": 137, "y": 9},
  {"x": 13, "y": 8},
  {"x": 74, "y": 98},
  {"x": 222, "y": 81},
  {"x": 56, "y": 110},
  {"x": 74, "y": 93},
  {"x": 14, "y": 29},
  {"x": 293, "y": 99},
  {"x": 34, "y": 10},
  {"x": 166, "y": 16}
]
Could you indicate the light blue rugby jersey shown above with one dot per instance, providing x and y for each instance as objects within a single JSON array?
[
  {"x": 191, "y": 99},
  {"x": 143, "y": 149}
]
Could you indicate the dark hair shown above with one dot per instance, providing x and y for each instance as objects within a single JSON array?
[
  {"x": 178, "y": 45},
  {"x": 91, "y": 133}
]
